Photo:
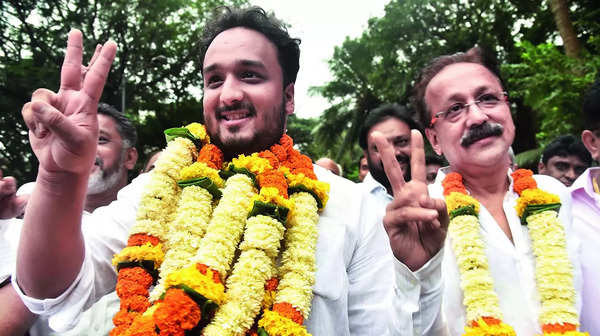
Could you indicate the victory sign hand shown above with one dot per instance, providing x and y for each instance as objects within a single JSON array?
[
  {"x": 415, "y": 223},
  {"x": 63, "y": 126}
]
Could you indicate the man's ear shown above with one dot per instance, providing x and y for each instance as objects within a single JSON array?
[
  {"x": 433, "y": 140},
  {"x": 592, "y": 143},
  {"x": 541, "y": 168},
  {"x": 131, "y": 156},
  {"x": 288, "y": 94}
]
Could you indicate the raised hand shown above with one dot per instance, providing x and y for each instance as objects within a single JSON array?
[
  {"x": 63, "y": 126},
  {"x": 11, "y": 205},
  {"x": 415, "y": 223}
]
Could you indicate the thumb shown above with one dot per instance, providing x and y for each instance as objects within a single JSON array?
[
  {"x": 21, "y": 202},
  {"x": 51, "y": 119}
]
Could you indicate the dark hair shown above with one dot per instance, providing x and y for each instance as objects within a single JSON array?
[
  {"x": 382, "y": 113},
  {"x": 255, "y": 18},
  {"x": 473, "y": 55},
  {"x": 124, "y": 126},
  {"x": 591, "y": 107},
  {"x": 566, "y": 145},
  {"x": 435, "y": 159}
]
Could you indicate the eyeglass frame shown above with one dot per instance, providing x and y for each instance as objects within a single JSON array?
[{"x": 436, "y": 116}]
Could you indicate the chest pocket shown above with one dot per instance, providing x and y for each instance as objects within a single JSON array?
[{"x": 331, "y": 277}]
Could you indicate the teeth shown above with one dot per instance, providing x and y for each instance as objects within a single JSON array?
[{"x": 235, "y": 116}]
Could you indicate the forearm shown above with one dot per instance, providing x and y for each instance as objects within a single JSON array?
[
  {"x": 51, "y": 248},
  {"x": 15, "y": 318}
]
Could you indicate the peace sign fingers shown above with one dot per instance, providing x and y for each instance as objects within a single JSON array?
[
  {"x": 392, "y": 168},
  {"x": 417, "y": 157},
  {"x": 70, "y": 73}
]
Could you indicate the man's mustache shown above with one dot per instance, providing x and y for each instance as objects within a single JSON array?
[
  {"x": 481, "y": 131},
  {"x": 235, "y": 107}
]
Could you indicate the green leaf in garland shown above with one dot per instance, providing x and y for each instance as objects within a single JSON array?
[
  {"x": 534, "y": 209},
  {"x": 180, "y": 132},
  {"x": 147, "y": 265},
  {"x": 268, "y": 209},
  {"x": 303, "y": 188},
  {"x": 232, "y": 170},
  {"x": 467, "y": 210},
  {"x": 203, "y": 182},
  {"x": 262, "y": 332}
]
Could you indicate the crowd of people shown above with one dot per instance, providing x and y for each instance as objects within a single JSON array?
[{"x": 458, "y": 241}]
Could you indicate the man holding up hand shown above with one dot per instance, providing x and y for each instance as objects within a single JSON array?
[{"x": 500, "y": 276}]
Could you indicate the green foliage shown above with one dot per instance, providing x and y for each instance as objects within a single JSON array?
[
  {"x": 154, "y": 74},
  {"x": 553, "y": 85}
]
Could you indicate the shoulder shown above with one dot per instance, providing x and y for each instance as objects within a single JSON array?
[{"x": 552, "y": 185}]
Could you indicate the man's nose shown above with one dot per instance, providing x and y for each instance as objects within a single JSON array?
[{"x": 231, "y": 91}]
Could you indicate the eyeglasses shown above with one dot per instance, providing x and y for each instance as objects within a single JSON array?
[{"x": 486, "y": 101}]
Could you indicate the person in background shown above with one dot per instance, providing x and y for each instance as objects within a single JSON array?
[
  {"x": 565, "y": 158},
  {"x": 432, "y": 164},
  {"x": 330, "y": 165},
  {"x": 363, "y": 168},
  {"x": 116, "y": 155},
  {"x": 149, "y": 164},
  {"x": 512, "y": 159},
  {"x": 586, "y": 212}
]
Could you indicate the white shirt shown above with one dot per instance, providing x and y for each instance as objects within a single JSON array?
[
  {"x": 511, "y": 265},
  {"x": 360, "y": 288},
  {"x": 586, "y": 224}
]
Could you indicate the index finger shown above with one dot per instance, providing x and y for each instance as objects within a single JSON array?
[
  {"x": 94, "y": 81},
  {"x": 391, "y": 166},
  {"x": 70, "y": 73},
  {"x": 417, "y": 157}
]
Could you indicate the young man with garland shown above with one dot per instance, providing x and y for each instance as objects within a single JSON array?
[
  {"x": 586, "y": 211},
  {"x": 249, "y": 69},
  {"x": 510, "y": 264}
]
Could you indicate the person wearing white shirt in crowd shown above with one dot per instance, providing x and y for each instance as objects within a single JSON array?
[
  {"x": 249, "y": 69},
  {"x": 462, "y": 101},
  {"x": 586, "y": 211},
  {"x": 116, "y": 155}
]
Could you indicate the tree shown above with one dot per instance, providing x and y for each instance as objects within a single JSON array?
[{"x": 154, "y": 78}]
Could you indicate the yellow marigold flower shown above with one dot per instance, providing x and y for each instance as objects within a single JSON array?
[
  {"x": 320, "y": 188},
  {"x": 534, "y": 196},
  {"x": 277, "y": 325},
  {"x": 456, "y": 200},
  {"x": 199, "y": 131},
  {"x": 201, "y": 283},
  {"x": 268, "y": 299},
  {"x": 253, "y": 163},
  {"x": 201, "y": 169},
  {"x": 140, "y": 253},
  {"x": 485, "y": 329},
  {"x": 271, "y": 195}
]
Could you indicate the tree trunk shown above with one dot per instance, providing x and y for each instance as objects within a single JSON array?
[{"x": 560, "y": 10}]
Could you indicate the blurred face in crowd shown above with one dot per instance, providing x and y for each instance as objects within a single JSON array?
[
  {"x": 397, "y": 134},
  {"x": 431, "y": 170},
  {"x": 363, "y": 168},
  {"x": 329, "y": 164},
  {"x": 566, "y": 169},
  {"x": 112, "y": 159},
  {"x": 479, "y": 136},
  {"x": 150, "y": 164},
  {"x": 245, "y": 104}
]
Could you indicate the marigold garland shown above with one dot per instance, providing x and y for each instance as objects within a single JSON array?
[
  {"x": 554, "y": 272},
  {"x": 190, "y": 285}
]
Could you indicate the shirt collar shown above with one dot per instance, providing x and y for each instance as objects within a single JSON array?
[
  {"x": 584, "y": 183},
  {"x": 373, "y": 186}
]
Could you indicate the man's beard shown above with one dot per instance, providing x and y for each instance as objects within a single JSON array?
[
  {"x": 378, "y": 173},
  {"x": 237, "y": 144},
  {"x": 102, "y": 179}
]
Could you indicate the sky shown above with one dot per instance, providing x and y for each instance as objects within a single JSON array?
[{"x": 321, "y": 25}]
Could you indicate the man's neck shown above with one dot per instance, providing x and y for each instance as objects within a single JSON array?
[
  {"x": 486, "y": 184},
  {"x": 92, "y": 202}
]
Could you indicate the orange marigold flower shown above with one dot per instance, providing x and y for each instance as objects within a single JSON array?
[
  {"x": 140, "y": 239},
  {"x": 136, "y": 303},
  {"x": 211, "y": 155},
  {"x": 135, "y": 274},
  {"x": 142, "y": 326},
  {"x": 273, "y": 160},
  {"x": 558, "y": 328},
  {"x": 272, "y": 284},
  {"x": 202, "y": 268},
  {"x": 279, "y": 152},
  {"x": 522, "y": 180},
  {"x": 521, "y": 173},
  {"x": 308, "y": 172},
  {"x": 287, "y": 142},
  {"x": 488, "y": 320},
  {"x": 274, "y": 178},
  {"x": 453, "y": 183},
  {"x": 119, "y": 330},
  {"x": 124, "y": 316},
  {"x": 287, "y": 310},
  {"x": 177, "y": 313}
]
